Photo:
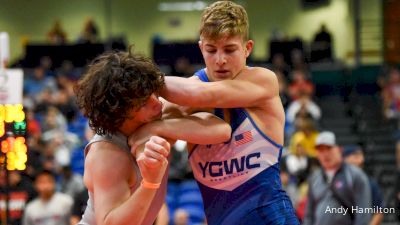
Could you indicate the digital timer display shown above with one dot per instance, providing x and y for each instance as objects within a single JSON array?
[{"x": 12, "y": 136}]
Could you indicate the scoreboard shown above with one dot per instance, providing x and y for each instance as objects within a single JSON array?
[{"x": 12, "y": 136}]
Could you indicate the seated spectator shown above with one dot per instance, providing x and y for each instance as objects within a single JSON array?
[
  {"x": 300, "y": 84},
  {"x": 321, "y": 47},
  {"x": 283, "y": 89},
  {"x": 303, "y": 102},
  {"x": 279, "y": 65},
  {"x": 298, "y": 164},
  {"x": 67, "y": 72},
  {"x": 305, "y": 135},
  {"x": 182, "y": 67},
  {"x": 53, "y": 120},
  {"x": 70, "y": 183},
  {"x": 398, "y": 155},
  {"x": 89, "y": 33},
  {"x": 289, "y": 185},
  {"x": 50, "y": 207},
  {"x": 20, "y": 191},
  {"x": 391, "y": 95},
  {"x": 298, "y": 61},
  {"x": 37, "y": 82},
  {"x": 57, "y": 35},
  {"x": 77, "y": 155},
  {"x": 46, "y": 63},
  {"x": 181, "y": 217},
  {"x": 179, "y": 167}
]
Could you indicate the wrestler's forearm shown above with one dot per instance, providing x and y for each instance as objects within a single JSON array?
[
  {"x": 134, "y": 210},
  {"x": 183, "y": 91},
  {"x": 198, "y": 128}
]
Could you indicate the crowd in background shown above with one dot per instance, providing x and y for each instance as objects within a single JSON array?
[{"x": 57, "y": 133}]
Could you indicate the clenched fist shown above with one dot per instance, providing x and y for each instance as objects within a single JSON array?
[{"x": 153, "y": 161}]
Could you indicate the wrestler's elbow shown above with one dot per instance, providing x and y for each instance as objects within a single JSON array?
[{"x": 225, "y": 132}]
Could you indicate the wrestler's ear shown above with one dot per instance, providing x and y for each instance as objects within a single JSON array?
[
  {"x": 248, "y": 47},
  {"x": 201, "y": 45}
]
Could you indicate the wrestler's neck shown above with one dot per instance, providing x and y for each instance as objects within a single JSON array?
[{"x": 128, "y": 128}]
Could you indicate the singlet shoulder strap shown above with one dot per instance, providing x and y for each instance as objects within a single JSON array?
[{"x": 202, "y": 75}]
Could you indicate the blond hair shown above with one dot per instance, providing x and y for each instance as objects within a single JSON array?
[{"x": 224, "y": 18}]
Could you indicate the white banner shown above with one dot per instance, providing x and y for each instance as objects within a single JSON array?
[
  {"x": 11, "y": 84},
  {"x": 4, "y": 49}
]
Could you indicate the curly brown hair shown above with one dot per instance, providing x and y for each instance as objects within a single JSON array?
[{"x": 114, "y": 84}]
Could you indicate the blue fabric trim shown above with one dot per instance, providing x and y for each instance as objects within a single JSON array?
[
  {"x": 202, "y": 75},
  {"x": 193, "y": 149},
  {"x": 263, "y": 134}
]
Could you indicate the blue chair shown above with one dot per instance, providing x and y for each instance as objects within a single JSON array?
[
  {"x": 189, "y": 185},
  {"x": 190, "y": 198}
]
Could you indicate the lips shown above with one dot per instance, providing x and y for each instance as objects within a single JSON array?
[{"x": 222, "y": 71}]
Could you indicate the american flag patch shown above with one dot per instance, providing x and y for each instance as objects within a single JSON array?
[{"x": 243, "y": 138}]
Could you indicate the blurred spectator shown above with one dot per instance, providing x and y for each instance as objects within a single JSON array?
[
  {"x": 43, "y": 101},
  {"x": 53, "y": 121},
  {"x": 337, "y": 185},
  {"x": 354, "y": 155},
  {"x": 46, "y": 63},
  {"x": 20, "y": 192},
  {"x": 37, "y": 82},
  {"x": 391, "y": 94},
  {"x": 303, "y": 103},
  {"x": 89, "y": 33},
  {"x": 321, "y": 47},
  {"x": 34, "y": 143},
  {"x": 179, "y": 166},
  {"x": 279, "y": 64},
  {"x": 70, "y": 183},
  {"x": 398, "y": 155},
  {"x": 78, "y": 155},
  {"x": 32, "y": 124},
  {"x": 57, "y": 35},
  {"x": 283, "y": 90},
  {"x": 80, "y": 203},
  {"x": 181, "y": 217},
  {"x": 298, "y": 163},
  {"x": 66, "y": 105},
  {"x": 289, "y": 185},
  {"x": 50, "y": 207},
  {"x": 300, "y": 84},
  {"x": 305, "y": 135},
  {"x": 56, "y": 150},
  {"x": 67, "y": 72},
  {"x": 182, "y": 67},
  {"x": 298, "y": 60}
]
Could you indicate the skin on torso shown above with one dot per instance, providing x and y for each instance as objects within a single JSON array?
[
  {"x": 270, "y": 119},
  {"x": 98, "y": 148}
]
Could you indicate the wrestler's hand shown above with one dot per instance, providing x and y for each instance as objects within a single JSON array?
[{"x": 153, "y": 160}]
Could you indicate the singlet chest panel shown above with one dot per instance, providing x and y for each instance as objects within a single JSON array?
[{"x": 227, "y": 165}]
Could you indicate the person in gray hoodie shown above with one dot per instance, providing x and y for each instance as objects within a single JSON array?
[{"x": 338, "y": 193}]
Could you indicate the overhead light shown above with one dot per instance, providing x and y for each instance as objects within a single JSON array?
[{"x": 182, "y": 6}]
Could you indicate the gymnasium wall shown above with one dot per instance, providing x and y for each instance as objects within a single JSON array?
[{"x": 139, "y": 21}]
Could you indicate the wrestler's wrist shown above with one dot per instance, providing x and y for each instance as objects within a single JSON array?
[{"x": 149, "y": 185}]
